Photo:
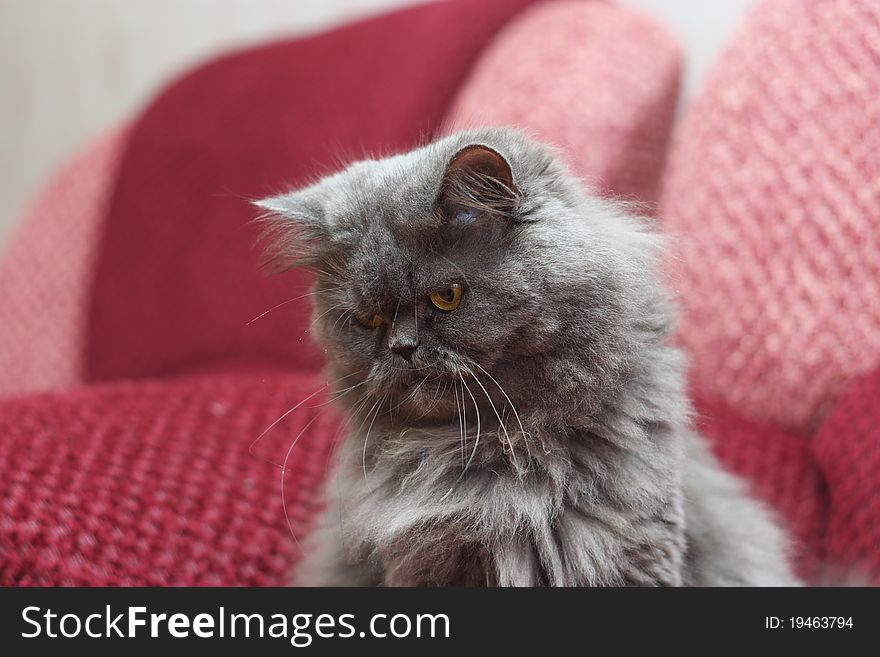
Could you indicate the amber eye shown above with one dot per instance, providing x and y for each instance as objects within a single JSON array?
[
  {"x": 368, "y": 320},
  {"x": 447, "y": 298}
]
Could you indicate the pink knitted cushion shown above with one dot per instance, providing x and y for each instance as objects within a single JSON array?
[
  {"x": 847, "y": 449},
  {"x": 596, "y": 80},
  {"x": 46, "y": 273},
  {"x": 774, "y": 187}
]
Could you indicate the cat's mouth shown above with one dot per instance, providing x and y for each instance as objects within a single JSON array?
[
  {"x": 403, "y": 379},
  {"x": 417, "y": 385}
]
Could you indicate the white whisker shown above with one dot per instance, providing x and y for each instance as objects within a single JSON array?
[
  {"x": 292, "y": 409},
  {"x": 476, "y": 440},
  {"x": 284, "y": 303},
  {"x": 340, "y": 394},
  {"x": 500, "y": 421},
  {"x": 284, "y": 471},
  {"x": 330, "y": 309},
  {"x": 512, "y": 406},
  {"x": 461, "y": 421},
  {"x": 378, "y": 406}
]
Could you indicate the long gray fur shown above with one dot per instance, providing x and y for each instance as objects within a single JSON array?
[{"x": 587, "y": 470}]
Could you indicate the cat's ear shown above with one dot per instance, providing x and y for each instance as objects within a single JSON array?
[
  {"x": 296, "y": 230},
  {"x": 477, "y": 183}
]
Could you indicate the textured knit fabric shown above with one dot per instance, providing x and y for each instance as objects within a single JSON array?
[
  {"x": 177, "y": 279},
  {"x": 598, "y": 81},
  {"x": 47, "y": 271},
  {"x": 848, "y": 453},
  {"x": 773, "y": 186},
  {"x": 152, "y": 483}
]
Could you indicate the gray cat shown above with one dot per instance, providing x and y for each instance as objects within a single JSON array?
[{"x": 516, "y": 416}]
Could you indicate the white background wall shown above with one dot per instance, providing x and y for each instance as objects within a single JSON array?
[{"x": 70, "y": 68}]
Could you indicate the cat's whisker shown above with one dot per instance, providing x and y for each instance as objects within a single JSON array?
[
  {"x": 476, "y": 440},
  {"x": 397, "y": 406},
  {"x": 340, "y": 394},
  {"x": 412, "y": 397},
  {"x": 330, "y": 309},
  {"x": 292, "y": 409},
  {"x": 461, "y": 424},
  {"x": 344, "y": 425},
  {"x": 477, "y": 411},
  {"x": 512, "y": 407},
  {"x": 464, "y": 425},
  {"x": 324, "y": 272},
  {"x": 350, "y": 416},
  {"x": 390, "y": 417},
  {"x": 438, "y": 396},
  {"x": 500, "y": 421},
  {"x": 284, "y": 303},
  {"x": 284, "y": 472},
  {"x": 365, "y": 416},
  {"x": 441, "y": 393},
  {"x": 342, "y": 316},
  {"x": 337, "y": 441},
  {"x": 367, "y": 438},
  {"x": 412, "y": 393}
]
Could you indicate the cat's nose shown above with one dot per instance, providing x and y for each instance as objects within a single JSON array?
[
  {"x": 404, "y": 347},
  {"x": 403, "y": 336}
]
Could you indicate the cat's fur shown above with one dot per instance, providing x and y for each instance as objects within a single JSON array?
[{"x": 596, "y": 476}]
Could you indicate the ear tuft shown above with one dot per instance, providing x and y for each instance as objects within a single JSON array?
[{"x": 478, "y": 182}]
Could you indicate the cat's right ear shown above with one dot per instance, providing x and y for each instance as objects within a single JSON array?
[
  {"x": 477, "y": 183},
  {"x": 295, "y": 230}
]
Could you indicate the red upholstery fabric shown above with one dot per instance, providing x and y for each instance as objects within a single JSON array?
[
  {"x": 847, "y": 450},
  {"x": 177, "y": 280},
  {"x": 151, "y": 483}
]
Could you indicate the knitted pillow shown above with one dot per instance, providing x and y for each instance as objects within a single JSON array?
[
  {"x": 773, "y": 187},
  {"x": 597, "y": 80},
  {"x": 848, "y": 452},
  {"x": 152, "y": 483}
]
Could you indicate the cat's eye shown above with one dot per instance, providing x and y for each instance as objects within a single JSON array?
[
  {"x": 447, "y": 298},
  {"x": 369, "y": 320}
]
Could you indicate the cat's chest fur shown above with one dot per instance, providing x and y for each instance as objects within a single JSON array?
[{"x": 421, "y": 512}]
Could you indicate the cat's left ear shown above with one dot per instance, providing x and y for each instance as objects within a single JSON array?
[
  {"x": 296, "y": 229},
  {"x": 477, "y": 183}
]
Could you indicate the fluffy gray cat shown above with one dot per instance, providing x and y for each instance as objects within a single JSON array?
[{"x": 516, "y": 415}]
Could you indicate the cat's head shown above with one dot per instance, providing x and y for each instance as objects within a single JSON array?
[{"x": 470, "y": 264}]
